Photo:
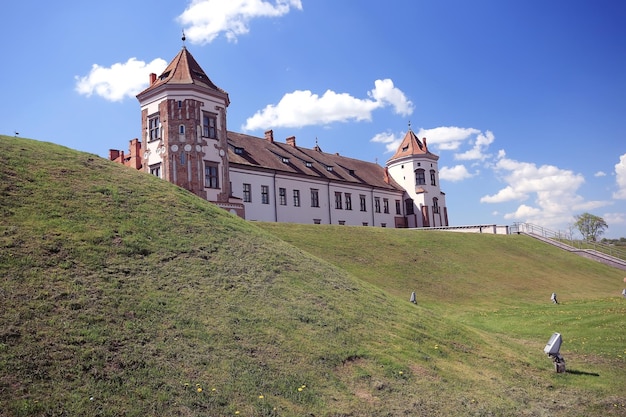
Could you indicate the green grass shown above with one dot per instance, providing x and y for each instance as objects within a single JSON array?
[{"x": 122, "y": 295}]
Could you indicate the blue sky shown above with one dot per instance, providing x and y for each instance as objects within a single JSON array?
[{"x": 523, "y": 100}]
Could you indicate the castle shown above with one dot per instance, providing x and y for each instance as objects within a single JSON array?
[{"x": 186, "y": 142}]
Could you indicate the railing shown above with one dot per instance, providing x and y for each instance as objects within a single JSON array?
[{"x": 567, "y": 238}]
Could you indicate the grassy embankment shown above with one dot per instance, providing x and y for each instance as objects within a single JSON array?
[{"x": 122, "y": 295}]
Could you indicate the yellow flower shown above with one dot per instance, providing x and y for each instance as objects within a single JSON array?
[
  {"x": 300, "y": 389},
  {"x": 261, "y": 397},
  {"x": 236, "y": 412},
  {"x": 199, "y": 389},
  {"x": 401, "y": 373}
]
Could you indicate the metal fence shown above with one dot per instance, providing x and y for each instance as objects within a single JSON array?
[{"x": 568, "y": 239}]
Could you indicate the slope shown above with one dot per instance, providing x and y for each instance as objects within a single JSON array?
[{"x": 122, "y": 295}]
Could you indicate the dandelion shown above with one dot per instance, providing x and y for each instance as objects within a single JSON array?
[
  {"x": 436, "y": 346},
  {"x": 261, "y": 397},
  {"x": 236, "y": 413},
  {"x": 400, "y": 373},
  {"x": 300, "y": 389},
  {"x": 199, "y": 389}
]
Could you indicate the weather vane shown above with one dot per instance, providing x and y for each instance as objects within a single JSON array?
[{"x": 183, "y": 38}]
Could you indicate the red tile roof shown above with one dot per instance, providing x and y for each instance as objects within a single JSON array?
[
  {"x": 183, "y": 69},
  {"x": 411, "y": 145},
  {"x": 253, "y": 152}
]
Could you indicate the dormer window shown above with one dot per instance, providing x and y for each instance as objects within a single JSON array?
[
  {"x": 164, "y": 75},
  {"x": 238, "y": 150},
  {"x": 351, "y": 172},
  {"x": 406, "y": 148},
  {"x": 284, "y": 159},
  {"x": 309, "y": 164},
  {"x": 329, "y": 168}
]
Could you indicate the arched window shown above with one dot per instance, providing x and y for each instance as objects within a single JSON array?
[
  {"x": 435, "y": 205},
  {"x": 432, "y": 177},
  {"x": 420, "y": 177}
]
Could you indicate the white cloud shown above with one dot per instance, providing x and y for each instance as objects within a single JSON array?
[
  {"x": 118, "y": 81},
  {"x": 600, "y": 174},
  {"x": 390, "y": 140},
  {"x": 303, "y": 108},
  {"x": 456, "y": 173},
  {"x": 614, "y": 218},
  {"x": 620, "y": 178},
  {"x": 481, "y": 144},
  {"x": 447, "y": 137},
  {"x": 204, "y": 20},
  {"x": 554, "y": 190},
  {"x": 385, "y": 92}
]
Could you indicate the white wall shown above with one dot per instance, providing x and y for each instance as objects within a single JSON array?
[{"x": 326, "y": 213}]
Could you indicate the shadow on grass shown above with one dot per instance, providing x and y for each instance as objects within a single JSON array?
[{"x": 575, "y": 372}]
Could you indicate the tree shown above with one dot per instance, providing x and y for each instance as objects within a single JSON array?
[{"x": 590, "y": 226}]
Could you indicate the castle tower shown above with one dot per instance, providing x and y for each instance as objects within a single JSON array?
[
  {"x": 183, "y": 121},
  {"x": 414, "y": 167}
]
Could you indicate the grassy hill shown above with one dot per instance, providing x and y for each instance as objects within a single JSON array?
[{"x": 122, "y": 295}]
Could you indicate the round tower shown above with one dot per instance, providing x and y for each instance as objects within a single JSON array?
[{"x": 415, "y": 168}]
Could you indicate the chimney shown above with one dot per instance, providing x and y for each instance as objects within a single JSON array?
[
  {"x": 152, "y": 78},
  {"x": 113, "y": 154},
  {"x": 425, "y": 146},
  {"x": 291, "y": 141},
  {"x": 386, "y": 176},
  {"x": 269, "y": 136}
]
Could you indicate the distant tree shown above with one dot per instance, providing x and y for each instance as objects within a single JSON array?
[{"x": 590, "y": 226}]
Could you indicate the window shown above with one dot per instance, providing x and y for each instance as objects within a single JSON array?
[
  {"x": 282, "y": 192},
  {"x": 432, "y": 177},
  {"x": 238, "y": 150},
  {"x": 338, "y": 204},
  {"x": 265, "y": 194},
  {"x": 315, "y": 198},
  {"x": 398, "y": 207},
  {"x": 247, "y": 193},
  {"x": 409, "y": 206},
  {"x": 383, "y": 225},
  {"x": 435, "y": 205},
  {"x": 180, "y": 104},
  {"x": 365, "y": 223},
  {"x": 209, "y": 122},
  {"x": 377, "y": 204},
  {"x": 155, "y": 170},
  {"x": 181, "y": 129},
  {"x": 296, "y": 198},
  {"x": 363, "y": 205},
  {"x": 183, "y": 158},
  {"x": 284, "y": 159},
  {"x": 211, "y": 178},
  {"x": 420, "y": 177},
  {"x": 153, "y": 128},
  {"x": 348, "y": 201},
  {"x": 342, "y": 222},
  {"x": 317, "y": 221},
  {"x": 386, "y": 205}
]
